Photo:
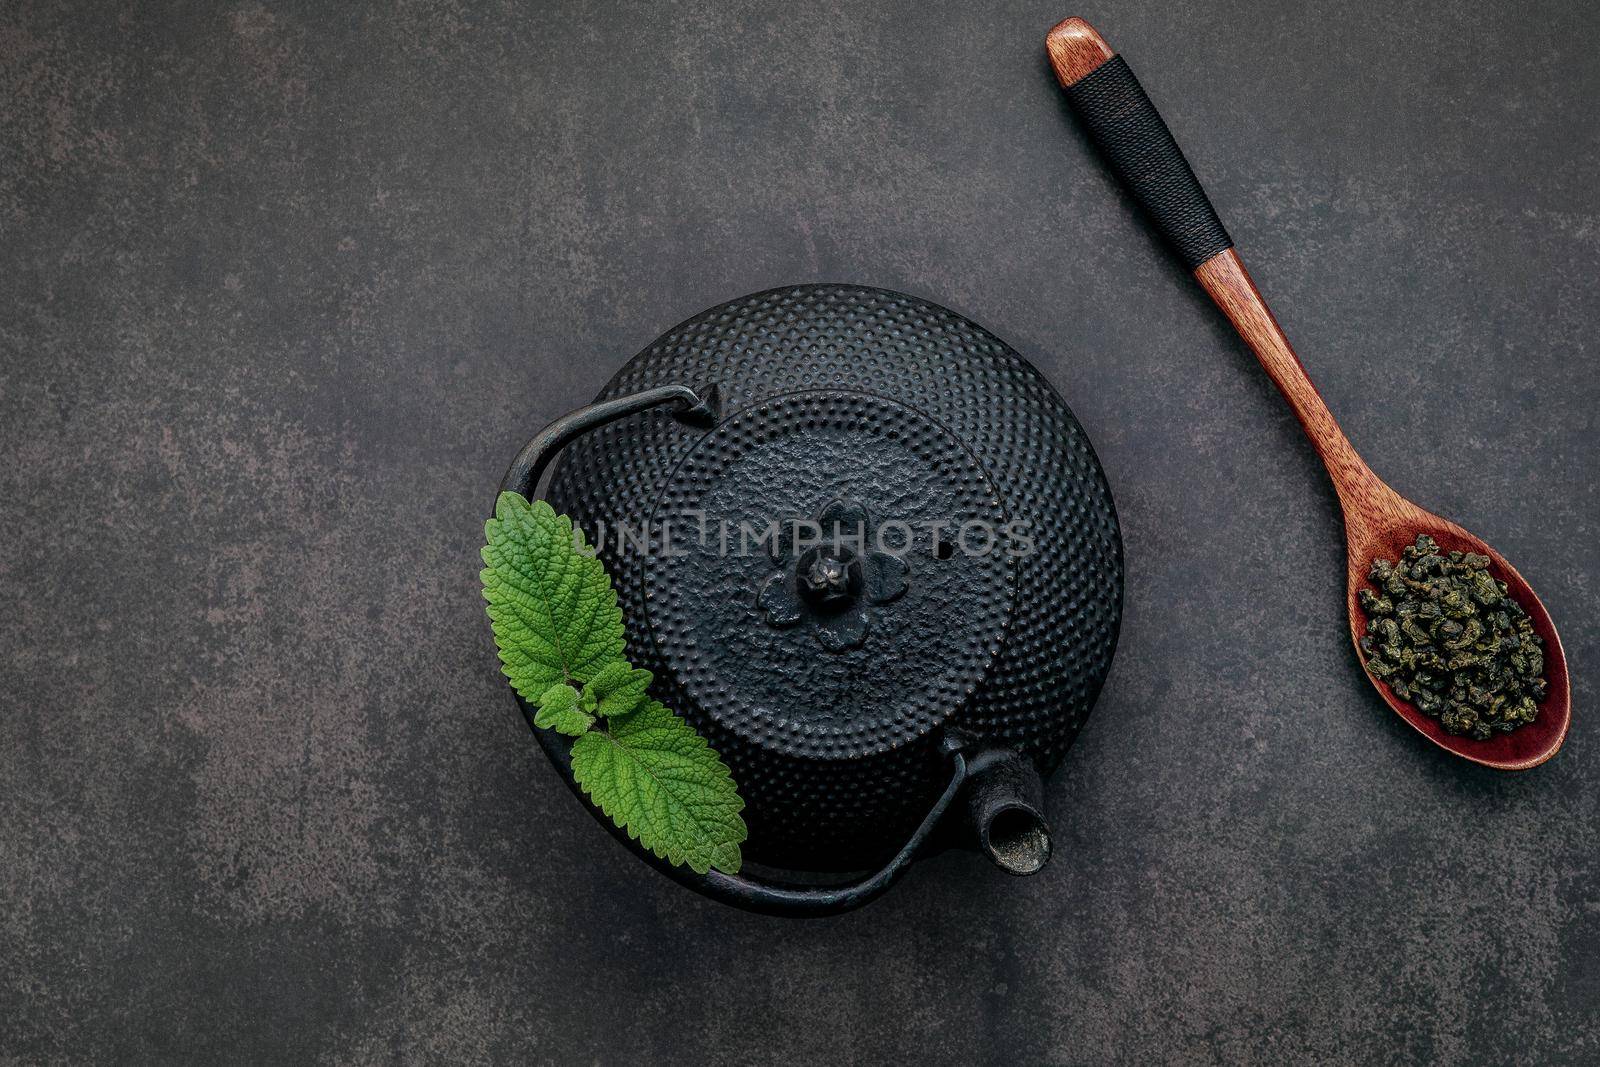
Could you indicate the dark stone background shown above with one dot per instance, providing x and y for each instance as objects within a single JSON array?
[{"x": 282, "y": 286}]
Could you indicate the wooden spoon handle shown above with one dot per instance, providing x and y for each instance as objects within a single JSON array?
[
  {"x": 1230, "y": 287},
  {"x": 1142, "y": 153}
]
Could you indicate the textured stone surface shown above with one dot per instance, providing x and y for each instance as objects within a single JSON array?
[{"x": 283, "y": 286}]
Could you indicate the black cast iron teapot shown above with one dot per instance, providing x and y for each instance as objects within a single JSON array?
[{"x": 868, "y": 552}]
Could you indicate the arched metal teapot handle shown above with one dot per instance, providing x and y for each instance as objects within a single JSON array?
[
  {"x": 696, "y": 409},
  {"x": 753, "y": 894}
]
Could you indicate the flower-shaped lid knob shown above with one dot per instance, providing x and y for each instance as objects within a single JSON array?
[
  {"x": 835, "y": 579},
  {"x": 829, "y": 578}
]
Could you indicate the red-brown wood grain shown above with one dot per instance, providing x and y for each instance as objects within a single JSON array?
[{"x": 1075, "y": 50}]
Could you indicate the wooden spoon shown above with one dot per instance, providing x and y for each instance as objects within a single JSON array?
[{"x": 1378, "y": 522}]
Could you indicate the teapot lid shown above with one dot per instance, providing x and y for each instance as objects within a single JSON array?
[{"x": 829, "y": 574}]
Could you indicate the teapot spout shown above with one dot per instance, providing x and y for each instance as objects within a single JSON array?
[{"x": 1005, "y": 806}]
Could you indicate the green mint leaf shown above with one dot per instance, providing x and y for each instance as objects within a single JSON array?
[
  {"x": 558, "y": 710},
  {"x": 616, "y": 689},
  {"x": 556, "y": 626},
  {"x": 655, "y": 777},
  {"x": 554, "y": 612}
]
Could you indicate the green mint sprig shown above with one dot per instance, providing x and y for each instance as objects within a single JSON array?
[{"x": 559, "y": 632}]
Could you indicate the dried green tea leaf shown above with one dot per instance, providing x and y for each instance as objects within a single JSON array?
[{"x": 1443, "y": 634}]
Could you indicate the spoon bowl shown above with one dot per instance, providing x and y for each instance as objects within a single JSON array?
[{"x": 1379, "y": 523}]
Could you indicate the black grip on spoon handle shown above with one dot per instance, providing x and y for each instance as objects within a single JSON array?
[{"x": 1140, "y": 150}]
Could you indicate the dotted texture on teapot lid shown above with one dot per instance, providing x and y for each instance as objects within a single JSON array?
[{"x": 876, "y": 670}]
